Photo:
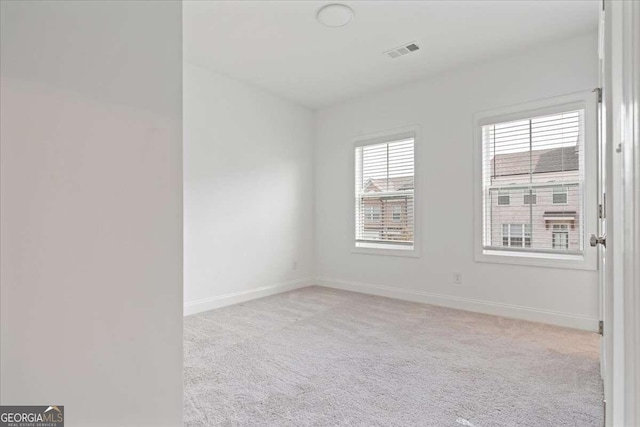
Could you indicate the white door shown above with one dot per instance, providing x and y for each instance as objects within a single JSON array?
[
  {"x": 599, "y": 243},
  {"x": 620, "y": 65},
  {"x": 605, "y": 237}
]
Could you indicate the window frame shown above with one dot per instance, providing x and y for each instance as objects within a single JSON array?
[
  {"x": 532, "y": 193},
  {"x": 510, "y": 235},
  {"x": 370, "y": 217},
  {"x": 565, "y": 192},
  {"x": 586, "y": 101},
  {"x": 507, "y": 194},
  {"x": 382, "y": 248},
  {"x": 562, "y": 229},
  {"x": 393, "y": 210}
]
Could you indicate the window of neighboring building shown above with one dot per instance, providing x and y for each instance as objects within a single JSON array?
[
  {"x": 396, "y": 213},
  {"x": 372, "y": 213},
  {"x": 560, "y": 237},
  {"x": 560, "y": 195},
  {"x": 504, "y": 198},
  {"x": 384, "y": 193},
  {"x": 530, "y": 197},
  {"x": 516, "y": 235}
]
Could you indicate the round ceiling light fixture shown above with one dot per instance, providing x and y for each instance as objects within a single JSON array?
[{"x": 335, "y": 15}]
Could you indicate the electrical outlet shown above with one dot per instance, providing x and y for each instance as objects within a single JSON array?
[{"x": 457, "y": 278}]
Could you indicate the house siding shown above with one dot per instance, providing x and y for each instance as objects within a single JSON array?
[{"x": 541, "y": 214}]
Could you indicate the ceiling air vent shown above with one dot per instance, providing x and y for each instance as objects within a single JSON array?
[{"x": 402, "y": 50}]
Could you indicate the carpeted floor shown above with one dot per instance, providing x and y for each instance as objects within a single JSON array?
[{"x": 323, "y": 357}]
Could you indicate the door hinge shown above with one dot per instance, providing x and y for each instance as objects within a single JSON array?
[
  {"x": 600, "y": 211},
  {"x": 601, "y": 327},
  {"x": 598, "y": 90},
  {"x": 604, "y": 410}
]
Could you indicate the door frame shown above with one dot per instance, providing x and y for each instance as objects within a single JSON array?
[
  {"x": 630, "y": 150},
  {"x": 622, "y": 321}
]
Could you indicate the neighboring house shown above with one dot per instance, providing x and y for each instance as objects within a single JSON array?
[
  {"x": 540, "y": 209},
  {"x": 388, "y": 217}
]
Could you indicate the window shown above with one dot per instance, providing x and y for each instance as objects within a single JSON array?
[
  {"x": 529, "y": 197},
  {"x": 516, "y": 235},
  {"x": 396, "y": 213},
  {"x": 560, "y": 237},
  {"x": 534, "y": 150},
  {"x": 560, "y": 195},
  {"x": 372, "y": 213},
  {"x": 384, "y": 193},
  {"x": 541, "y": 156},
  {"x": 504, "y": 198}
]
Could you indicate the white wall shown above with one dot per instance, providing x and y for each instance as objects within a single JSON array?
[
  {"x": 443, "y": 106},
  {"x": 91, "y": 210},
  {"x": 248, "y": 201}
]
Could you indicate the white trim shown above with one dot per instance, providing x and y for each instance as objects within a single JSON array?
[
  {"x": 605, "y": 275},
  {"x": 540, "y": 107},
  {"x": 211, "y": 303},
  {"x": 564, "y": 191},
  {"x": 467, "y": 304},
  {"x": 614, "y": 257},
  {"x": 622, "y": 285},
  {"x": 583, "y": 100},
  {"x": 631, "y": 181},
  {"x": 397, "y": 134},
  {"x": 480, "y": 306}
]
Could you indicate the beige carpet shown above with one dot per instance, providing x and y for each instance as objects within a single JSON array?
[{"x": 323, "y": 357}]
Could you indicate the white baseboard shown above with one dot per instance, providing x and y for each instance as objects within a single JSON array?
[
  {"x": 487, "y": 307},
  {"x": 207, "y": 304}
]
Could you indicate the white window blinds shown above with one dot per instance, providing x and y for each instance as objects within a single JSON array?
[
  {"x": 533, "y": 174},
  {"x": 384, "y": 205}
]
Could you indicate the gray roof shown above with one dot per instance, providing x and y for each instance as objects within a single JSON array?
[
  {"x": 543, "y": 161},
  {"x": 395, "y": 184}
]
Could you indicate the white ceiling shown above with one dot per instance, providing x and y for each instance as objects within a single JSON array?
[{"x": 280, "y": 47}]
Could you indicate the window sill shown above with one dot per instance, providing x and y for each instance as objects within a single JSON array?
[
  {"x": 577, "y": 262},
  {"x": 386, "y": 250}
]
